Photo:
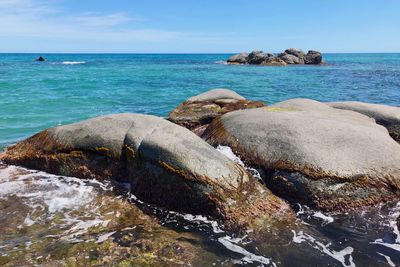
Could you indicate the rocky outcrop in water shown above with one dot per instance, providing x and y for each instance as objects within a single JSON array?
[
  {"x": 166, "y": 164},
  {"x": 198, "y": 111},
  {"x": 311, "y": 153},
  {"x": 41, "y": 59},
  {"x": 384, "y": 115},
  {"x": 289, "y": 56}
]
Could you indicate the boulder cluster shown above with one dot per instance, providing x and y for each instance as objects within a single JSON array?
[
  {"x": 289, "y": 56},
  {"x": 329, "y": 156}
]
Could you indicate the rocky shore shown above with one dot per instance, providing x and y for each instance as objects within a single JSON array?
[
  {"x": 288, "y": 57},
  {"x": 329, "y": 156}
]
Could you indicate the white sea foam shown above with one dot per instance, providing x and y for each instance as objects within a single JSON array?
[
  {"x": 388, "y": 259},
  {"x": 221, "y": 62},
  {"x": 73, "y": 62},
  {"x": 326, "y": 219},
  {"x": 48, "y": 194},
  {"x": 393, "y": 215},
  {"x": 104, "y": 237},
  {"x": 227, "y": 151},
  {"x": 340, "y": 256},
  {"x": 232, "y": 244},
  {"x": 249, "y": 257}
]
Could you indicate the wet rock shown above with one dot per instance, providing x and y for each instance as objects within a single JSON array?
[
  {"x": 313, "y": 57},
  {"x": 313, "y": 154},
  {"x": 166, "y": 164},
  {"x": 41, "y": 59},
  {"x": 238, "y": 58},
  {"x": 387, "y": 116},
  {"x": 202, "y": 109}
]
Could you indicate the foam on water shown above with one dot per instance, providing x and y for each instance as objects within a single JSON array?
[
  {"x": 340, "y": 256},
  {"x": 47, "y": 195},
  {"x": 227, "y": 151},
  {"x": 73, "y": 62},
  {"x": 395, "y": 244}
]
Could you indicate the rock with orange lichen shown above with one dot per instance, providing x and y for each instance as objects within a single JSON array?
[
  {"x": 200, "y": 110},
  {"x": 166, "y": 164},
  {"x": 311, "y": 153}
]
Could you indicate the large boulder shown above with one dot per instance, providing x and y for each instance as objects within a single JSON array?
[
  {"x": 313, "y": 57},
  {"x": 166, "y": 164},
  {"x": 198, "y": 111},
  {"x": 295, "y": 52},
  {"x": 313, "y": 154},
  {"x": 273, "y": 61},
  {"x": 257, "y": 57},
  {"x": 290, "y": 59},
  {"x": 387, "y": 116},
  {"x": 238, "y": 58}
]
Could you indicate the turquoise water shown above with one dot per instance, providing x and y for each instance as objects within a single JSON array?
[{"x": 35, "y": 95}]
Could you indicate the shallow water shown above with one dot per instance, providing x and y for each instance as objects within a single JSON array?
[
  {"x": 71, "y": 87},
  {"x": 55, "y": 220}
]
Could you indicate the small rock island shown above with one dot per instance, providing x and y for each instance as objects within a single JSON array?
[{"x": 288, "y": 57}]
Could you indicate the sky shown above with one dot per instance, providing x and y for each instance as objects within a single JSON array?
[{"x": 198, "y": 26}]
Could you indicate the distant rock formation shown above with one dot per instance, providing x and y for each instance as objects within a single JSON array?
[
  {"x": 41, "y": 59},
  {"x": 289, "y": 56}
]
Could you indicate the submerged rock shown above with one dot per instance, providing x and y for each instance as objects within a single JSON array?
[
  {"x": 313, "y": 154},
  {"x": 40, "y": 59},
  {"x": 387, "y": 116},
  {"x": 200, "y": 110},
  {"x": 166, "y": 164}
]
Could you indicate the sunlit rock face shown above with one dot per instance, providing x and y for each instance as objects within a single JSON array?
[
  {"x": 166, "y": 164},
  {"x": 198, "y": 111},
  {"x": 387, "y": 116},
  {"x": 314, "y": 154}
]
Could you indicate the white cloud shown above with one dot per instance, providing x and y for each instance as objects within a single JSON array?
[{"x": 32, "y": 18}]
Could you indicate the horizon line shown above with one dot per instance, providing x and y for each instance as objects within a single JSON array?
[{"x": 177, "y": 53}]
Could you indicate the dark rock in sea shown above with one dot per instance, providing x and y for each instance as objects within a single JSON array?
[
  {"x": 313, "y": 57},
  {"x": 290, "y": 59},
  {"x": 313, "y": 154},
  {"x": 238, "y": 59},
  {"x": 290, "y": 56},
  {"x": 273, "y": 61},
  {"x": 200, "y": 110},
  {"x": 256, "y": 57},
  {"x": 166, "y": 164},
  {"x": 295, "y": 52},
  {"x": 41, "y": 59},
  {"x": 387, "y": 116}
]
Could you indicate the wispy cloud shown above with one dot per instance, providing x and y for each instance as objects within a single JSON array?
[{"x": 34, "y": 18}]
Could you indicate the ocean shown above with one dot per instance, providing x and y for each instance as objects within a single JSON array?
[
  {"x": 48, "y": 219},
  {"x": 72, "y": 87}
]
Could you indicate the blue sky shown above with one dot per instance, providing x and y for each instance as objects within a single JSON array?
[{"x": 208, "y": 26}]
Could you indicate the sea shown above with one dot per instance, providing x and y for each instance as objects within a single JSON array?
[{"x": 71, "y": 87}]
